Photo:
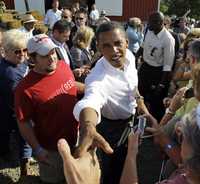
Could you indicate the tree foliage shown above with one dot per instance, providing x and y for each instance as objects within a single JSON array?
[{"x": 180, "y": 7}]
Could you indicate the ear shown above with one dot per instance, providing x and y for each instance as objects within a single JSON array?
[
  {"x": 98, "y": 46},
  {"x": 127, "y": 42}
]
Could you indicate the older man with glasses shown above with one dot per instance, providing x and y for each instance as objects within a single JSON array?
[{"x": 12, "y": 70}]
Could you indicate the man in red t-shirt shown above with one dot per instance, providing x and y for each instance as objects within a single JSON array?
[{"x": 46, "y": 96}]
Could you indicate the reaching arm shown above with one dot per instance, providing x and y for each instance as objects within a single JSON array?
[
  {"x": 129, "y": 173},
  {"x": 142, "y": 109},
  {"x": 88, "y": 134},
  {"x": 27, "y": 132}
]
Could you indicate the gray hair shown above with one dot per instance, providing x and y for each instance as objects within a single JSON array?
[
  {"x": 14, "y": 39},
  {"x": 191, "y": 133},
  {"x": 195, "y": 49}
]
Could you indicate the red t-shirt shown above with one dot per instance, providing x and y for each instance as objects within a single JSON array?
[{"x": 48, "y": 100}]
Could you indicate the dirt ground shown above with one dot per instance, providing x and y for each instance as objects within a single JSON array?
[
  {"x": 10, "y": 171},
  {"x": 149, "y": 164}
]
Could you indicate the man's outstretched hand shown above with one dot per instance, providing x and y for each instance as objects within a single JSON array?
[
  {"x": 89, "y": 137},
  {"x": 83, "y": 170}
]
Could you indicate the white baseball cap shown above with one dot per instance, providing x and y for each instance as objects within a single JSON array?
[{"x": 40, "y": 44}]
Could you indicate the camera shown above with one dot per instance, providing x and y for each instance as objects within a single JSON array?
[{"x": 141, "y": 125}]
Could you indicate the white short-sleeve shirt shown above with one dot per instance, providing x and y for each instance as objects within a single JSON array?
[{"x": 159, "y": 49}]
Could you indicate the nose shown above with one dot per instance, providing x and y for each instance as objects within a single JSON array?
[{"x": 114, "y": 49}]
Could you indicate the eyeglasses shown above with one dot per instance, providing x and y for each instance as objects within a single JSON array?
[
  {"x": 20, "y": 51},
  {"x": 79, "y": 18},
  {"x": 65, "y": 17}
]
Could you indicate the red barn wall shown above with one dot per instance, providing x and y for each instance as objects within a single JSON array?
[{"x": 136, "y": 8}]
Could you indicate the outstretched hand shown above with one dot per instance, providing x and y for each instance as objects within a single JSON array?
[
  {"x": 83, "y": 170},
  {"x": 90, "y": 137}
]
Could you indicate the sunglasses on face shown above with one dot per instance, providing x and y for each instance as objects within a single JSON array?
[
  {"x": 79, "y": 18},
  {"x": 20, "y": 51},
  {"x": 65, "y": 17}
]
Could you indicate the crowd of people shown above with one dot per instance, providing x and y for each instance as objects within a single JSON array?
[{"x": 73, "y": 93}]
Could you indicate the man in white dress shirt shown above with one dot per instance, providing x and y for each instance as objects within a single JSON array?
[
  {"x": 52, "y": 15},
  {"x": 28, "y": 22},
  {"x": 154, "y": 74},
  {"x": 109, "y": 100},
  {"x": 94, "y": 15}
]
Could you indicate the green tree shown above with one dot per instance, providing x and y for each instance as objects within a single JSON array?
[{"x": 180, "y": 7}]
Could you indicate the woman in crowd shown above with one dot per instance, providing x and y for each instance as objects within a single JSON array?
[
  {"x": 12, "y": 70},
  {"x": 81, "y": 53}
]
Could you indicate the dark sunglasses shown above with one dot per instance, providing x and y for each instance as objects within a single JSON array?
[
  {"x": 79, "y": 18},
  {"x": 20, "y": 51},
  {"x": 66, "y": 17}
]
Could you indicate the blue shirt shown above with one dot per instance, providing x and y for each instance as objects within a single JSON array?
[
  {"x": 135, "y": 38},
  {"x": 10, "y": 76}
]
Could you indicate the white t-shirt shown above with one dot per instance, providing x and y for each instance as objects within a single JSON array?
[{"x": 51, "y": 17}]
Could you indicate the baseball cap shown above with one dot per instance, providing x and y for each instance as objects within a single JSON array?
[{"x": 40, "y": 44}]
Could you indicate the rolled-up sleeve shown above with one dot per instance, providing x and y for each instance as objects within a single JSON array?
[{"x": 94, "y": 98}]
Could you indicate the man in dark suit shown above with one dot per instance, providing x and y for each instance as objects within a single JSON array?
[{"x": 60, "y": 34}]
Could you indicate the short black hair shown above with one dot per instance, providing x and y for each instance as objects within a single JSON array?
[
  {"x": 109, "y": 26},
  {"x": 81, "y": 10},
  {"x": 62, "y": 26}
]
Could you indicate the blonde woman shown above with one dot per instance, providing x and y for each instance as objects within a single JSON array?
[
  {"x": 81, "y": 53},
  {"x": 81, "y": 46}
]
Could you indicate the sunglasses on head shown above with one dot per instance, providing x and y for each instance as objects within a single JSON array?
[{"x": 20, "y": 51}]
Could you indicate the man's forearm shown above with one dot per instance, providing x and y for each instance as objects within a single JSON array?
[
  {"x": 28, "y": 134},
  {"x": 140, "y": 103},
  {"x": 88, "y": 115}
]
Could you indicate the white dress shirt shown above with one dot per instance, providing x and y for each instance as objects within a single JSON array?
[
  {"x": 51, "y": 17},
  {"x": 28, "y": 34},
  {"x": 94, "y": 16},
  {"x": 110, "y": 91},
  {"x": 61, "y": 47},
  {"x": 159, "y": 49}
]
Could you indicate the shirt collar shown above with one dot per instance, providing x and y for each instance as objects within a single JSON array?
[
  {"x": 57, "y": 42},
  {"x": 160, "y": 34}
]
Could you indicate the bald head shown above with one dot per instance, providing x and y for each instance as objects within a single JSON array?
[{"x": 156, "y": 22}]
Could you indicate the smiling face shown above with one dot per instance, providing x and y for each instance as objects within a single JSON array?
[
  {"x": 46, "y": 64},
  {"x": 113, "y": 44},
  {"x": 80, "y": 19}
]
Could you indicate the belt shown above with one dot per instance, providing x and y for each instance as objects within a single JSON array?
[{"x": 118, "y": 120}]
